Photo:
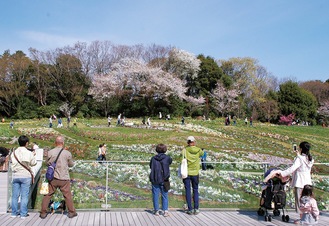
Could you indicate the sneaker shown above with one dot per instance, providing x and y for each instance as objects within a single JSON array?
[
  {"x": 71, "y": 215},
  {"x": 189, "y": 212},
  {"x": 166, "y": 213},
  {"x": 156, "y": 212},
  {"x": 13, "y": 216},
  {"x": 43, "y": 215},
  {"x": 23, "y": 217},
  {"x": 196, "y": 211}
]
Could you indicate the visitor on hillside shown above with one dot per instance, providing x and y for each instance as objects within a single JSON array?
[
  {"x": 300, "y": 171},
  {"x": 11, "y": 125},
  {"x": 50, "y": 122},
  {"x": 227, "y": 121},
  {"x": 61, "y": 179},
  {"x": 22, "y": 177},
  {"x": 60, "y": 123},
  {"x": 251, "y": 121},
  {"x": 109, "y": 119},
  {"x": 68, "y": 121},
  {"x": 148, "y": 122},
  {"x": 102, "y": 152},
  {"x": 193, "y": 155},
  {"x": 246, "y": 121},
  {"x": 160, "y": 115},
  {"x": 119, "y": 120},
  {"x": 159, "y": 178},
  {"x": 123, "y": 120},
  {"x": 234, "y": 120},
  {"x": 183, "y": 120}
]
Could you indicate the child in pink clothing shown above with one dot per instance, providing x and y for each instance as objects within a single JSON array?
[{"x": 308, "y": 207}]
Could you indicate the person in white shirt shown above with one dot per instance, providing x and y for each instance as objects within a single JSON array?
[
  {"x": 21, "y": 177},
  {"x": 300, "y": 171}
]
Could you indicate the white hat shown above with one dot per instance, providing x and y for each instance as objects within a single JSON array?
[{"x": 191, "y": 138}]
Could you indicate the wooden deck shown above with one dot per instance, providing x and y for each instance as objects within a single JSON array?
[{"x": 145, "y": 217}]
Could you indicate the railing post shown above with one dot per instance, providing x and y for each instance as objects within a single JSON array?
[
  {"x": 107, "y": 183},
  {"x": 265, "y": 167}
]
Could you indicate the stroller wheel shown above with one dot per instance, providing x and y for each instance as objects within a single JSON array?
[
  {"x": 266, "y": 218},
  {"x": 276, "y": 212},
  {"x": 261, "y": 212},
  {"x": 287, "y": 218},
  {"x": 283, "y": 218},
  {"x": 269, "y": 218}
]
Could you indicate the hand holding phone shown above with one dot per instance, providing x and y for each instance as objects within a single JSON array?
[{"x": 295, "y": 147}]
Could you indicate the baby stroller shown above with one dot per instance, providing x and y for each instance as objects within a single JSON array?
[{"x": 273, "y": 196}]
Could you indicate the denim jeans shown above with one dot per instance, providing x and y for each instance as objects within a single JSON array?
[
  {"x": 21, "y": 187},
  {"x": 195, "y": 186},
  {"x": 156, "y": 190}
]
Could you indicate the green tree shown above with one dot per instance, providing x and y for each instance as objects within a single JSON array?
[
  {"x": 15, "y": 78},
  {"x": 208, "y": 76},
  {"x": 295, "y": 100},
  {"x": 253, "y": 80}
]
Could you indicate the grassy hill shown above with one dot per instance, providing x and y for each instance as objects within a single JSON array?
[{"x": 235, "y": 153}]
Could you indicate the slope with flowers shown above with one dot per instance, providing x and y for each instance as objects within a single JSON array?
[{"x": 236, "y": 155}]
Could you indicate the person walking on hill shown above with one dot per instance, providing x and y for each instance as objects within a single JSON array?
[
  {"x": 193, "y": 155},
  {"x": 61, "y": 178},
  {"x": 102, "y": 152}
]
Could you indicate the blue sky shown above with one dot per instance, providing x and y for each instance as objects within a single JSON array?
[{"x": 288, "y": 37}]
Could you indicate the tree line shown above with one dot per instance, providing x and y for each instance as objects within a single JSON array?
[{"x": 102, "y": 78}]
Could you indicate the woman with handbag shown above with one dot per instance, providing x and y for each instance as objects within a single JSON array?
[
  {"x": 159, "y": 178},
  {"x": 22, "y": 177}
]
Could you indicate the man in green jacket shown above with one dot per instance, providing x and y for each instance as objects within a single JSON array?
[{"x": 193, "y": 155}]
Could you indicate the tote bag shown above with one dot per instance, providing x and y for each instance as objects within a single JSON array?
[{"x": 183, "y": 166}]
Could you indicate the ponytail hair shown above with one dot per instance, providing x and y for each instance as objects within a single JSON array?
[{"x": 305, "y": 149}]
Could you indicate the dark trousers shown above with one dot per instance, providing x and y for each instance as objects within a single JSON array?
[
  {"x": 65, "y": 187},
  {"x": 194, "y": 180}
]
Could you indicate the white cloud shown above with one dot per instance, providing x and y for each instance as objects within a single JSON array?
[{"x": 45, "y": 40}]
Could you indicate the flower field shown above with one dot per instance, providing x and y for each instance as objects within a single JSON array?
[{"x": 237, "y": 157}]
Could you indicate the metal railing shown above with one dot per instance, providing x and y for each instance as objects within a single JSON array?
[{"x": 102, "y": 185}]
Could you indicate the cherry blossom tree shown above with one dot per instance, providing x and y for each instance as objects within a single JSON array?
[
  {"x": 324, "y": 109},
  {"x": 134, "y": 78},
  {"x": 226, "y": 100},
  {"x": 183, "y": 64}
]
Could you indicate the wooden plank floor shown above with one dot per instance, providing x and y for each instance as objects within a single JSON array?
[{"x": 145, "y": 217}]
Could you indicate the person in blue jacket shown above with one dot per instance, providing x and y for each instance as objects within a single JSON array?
[{"x": 159, "y": 178}]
